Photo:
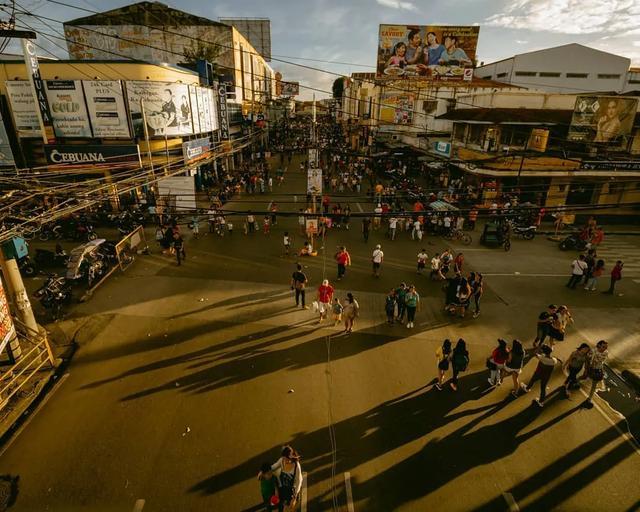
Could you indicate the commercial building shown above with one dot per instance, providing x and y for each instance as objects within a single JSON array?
[{"x": 570, "y": 68}]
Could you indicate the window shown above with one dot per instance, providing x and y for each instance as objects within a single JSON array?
[
  {"x": 616, "y": 187},
  {"x": 526, "y": 73},
  {"x": 634, "y": 81},
  {"x": 458, "y": 132},
  {"x": 429, "y": 106},
  {"x": 608, "y": 76},
  {"x": 488, "y": 77},
  {"x": 501, "y": 75},
  {"x": 549, "y": 74},
  {"x": 577, "y": 75}
]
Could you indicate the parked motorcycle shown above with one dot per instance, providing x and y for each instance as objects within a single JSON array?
[
  {"x": 573, "y": 242},
  {"x": 51, "y": 232},
  {"x": 522, "y": 231},
  {"x": 26, "y": 266},
  {"x": 47, "y": 259},
  {"x": 54, "y": 294}
]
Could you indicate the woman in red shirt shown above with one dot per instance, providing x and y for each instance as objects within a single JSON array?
[
  {"x": 496, "y": 362},
  {"x": 616, "y": 275}
]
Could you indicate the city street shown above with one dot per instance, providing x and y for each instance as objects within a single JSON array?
[{"x": 187, "y": 379}]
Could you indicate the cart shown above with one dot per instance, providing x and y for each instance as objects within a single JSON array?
[{"x": 496, "y": 234}]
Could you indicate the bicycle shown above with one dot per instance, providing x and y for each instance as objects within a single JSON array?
[{"x": 457, "y": 234}]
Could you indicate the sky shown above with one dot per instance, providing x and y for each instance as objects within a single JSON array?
[{"x": 346, "y": 31}]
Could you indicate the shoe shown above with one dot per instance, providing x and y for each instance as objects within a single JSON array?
[
  {"x": 524, "y": 388},
  {"x": 514, "y": 393},
  {"x": 305, "y": 307},
  {"x": 409, "y": 325},
  {"x": 438, "y": 386},
  {"x": 453, "y": 386},
  {"x": 537, "y": 402},
  {"x": 476, "y": 315},
  {"x": 491, "y": 382}
]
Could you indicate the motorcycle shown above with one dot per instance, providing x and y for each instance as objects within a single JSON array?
[
  {"x": 26, "y": 266},
  {"x": 573, "y": 242},
  {"x": 524, "y": 232},
  {"x": 54, "y": 294},
  {"x": 51, "y": 233}
]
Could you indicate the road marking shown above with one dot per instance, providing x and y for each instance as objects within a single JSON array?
[
  {"x": 511, "y": 274},
  {"x": 359, "y": 207},
  {"x": 46, "y": 398},
  {"x": 347, "y": 485},
  {"x": 138, "y": 506},
  {"x": 295, "y": 199},
  {"x": 513, "y": 506},
  {"x": 303, "y": 493}
]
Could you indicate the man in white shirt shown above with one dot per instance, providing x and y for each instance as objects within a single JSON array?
[
  {"x": 417, "y": 231},
  {"x": 393, "y": 224},
  {"x": 446, "y": 223},
  {"x": 435, "y": 268},
  {"x": 377, "y": 258},
  {"x": 422, "y": 260},
  {"x": 578, "y": 268}
]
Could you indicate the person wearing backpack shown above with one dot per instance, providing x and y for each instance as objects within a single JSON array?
[
  {"x": 443, "y": 356},
  {"x": 459, "y": 362}
]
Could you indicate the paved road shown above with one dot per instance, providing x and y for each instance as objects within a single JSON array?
[{"x": 181, "y": 389}]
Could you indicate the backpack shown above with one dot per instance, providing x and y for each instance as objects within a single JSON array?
[{"x": 460, "y": 361}]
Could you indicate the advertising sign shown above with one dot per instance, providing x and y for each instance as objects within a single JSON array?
[
  {"x": 42, "y": 105},
  {"x": 289, "y": 88},
  {"x": 314, "y": 181},
  {"x": 195, "y": 149},
  {"x": 602, "y": 119},
  {"x": 312, "y": 226},
  {"x": 178, "y": 193},
  {"x": 107, "y": 110},
  {"x": 66, "y": 154},
  {"x": 166, "y": 106},
  {"x": 195, "y": 109},
  {"x": 442, "y": 148},
  {"x": 206, "y": 101},
  {"x": 431, "y": 52},
  {"x": 224, "y": 113},
  {"x": 7, "y": 329},
  {"x": 610, "y": 165},
  {"x": 396, "y": 107},
  {"x": 6, "y": 154},
  {"x": 23, "y": 108},
  {"x": 200, "y": 103},
  {"x": 213, "y": 106},
  {"x": 68, "y": 110},
  {"x": 538, "y": 140}
]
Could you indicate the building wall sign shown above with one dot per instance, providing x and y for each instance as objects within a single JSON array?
[
  {"x": 68, "y": 109},
  {"x": 610, "y": 165},
  {"x": 42, "y": 104},
  {"x": 107, "y": 110},
  {"x": 224, "y": 112},
  {"x": 195, "y": 149},
  {"x": 65, "y": 154}
]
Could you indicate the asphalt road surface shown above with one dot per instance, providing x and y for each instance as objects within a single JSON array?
[{"x": 189, "y": 378}]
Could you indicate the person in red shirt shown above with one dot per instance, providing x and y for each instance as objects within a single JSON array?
[
  {"x": 343, "y": 259},
  {"x": 597, "y": 237},
  {"x": 616, "y": 275},
  {"x": 498, "y": 359},
  {"x": 325, "y": 296},
  {"x": 458, "y": 262}
]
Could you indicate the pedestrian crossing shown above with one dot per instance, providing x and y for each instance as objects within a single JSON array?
[{"x": 625, "y": 248}]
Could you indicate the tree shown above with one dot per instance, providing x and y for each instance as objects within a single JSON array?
[{"x": 338, "y": 88}]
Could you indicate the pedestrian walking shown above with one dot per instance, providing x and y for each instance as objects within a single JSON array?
[
  {"x": 401, "y": 294},
  {"x": 290, "y": 471},
  {"x": 412, "y": 301},
  {"x": 458, "y": 262},
  {"x": 443, "y": 356},
  {"x": 596, "y": 273},
  {"x": 595, "y": 369},
  {"x": 513, "y": 365},
  {"x": 436, "y": 275},
  {"x": 301, "y": 222},
  {"x": 573, "y": 366},
  {"x": 251, "y": 223},
  {"x": 578, "y": 268},
  {"x": 376, "y": 259},
  {"x": 476, "y": 282},
  {"x": 390, "y": 306},
  {"x": 496, "y": 362},
  {"x": 393, "y": 225},
  {"x": 416, "y": 233},
  {"x": 336, "y": 308},
  {"x": 366, "y": 228},
  {"x": 377, "y": 218},
  {"x": 616, "y": 275},
  {"x": 542, "y": 373},
  {"x": 325, "y": 297},
  {"x": 422, "y": 260},
  {"x": 266, "y": 225},
  {"x": 195, "y": 226},
  {"x": 299, "y": 283},
  {"x": 544, "y": 324},
  {"x": 286, "y": 242},
  {"x": 350, "y": 311},
  {"x": 343, "y": 259},
  {"x": 459, "y": 362},
  {"x": 178, "y": 247},
  {"x": 269, "y": 488}
]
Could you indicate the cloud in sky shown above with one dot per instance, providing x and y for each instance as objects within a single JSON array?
[
  {"x": 397, "y": 4},
  {"x": 570, "y": 16}
]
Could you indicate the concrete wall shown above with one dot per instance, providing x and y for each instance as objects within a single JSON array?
[{"x": 518, "y": 99}]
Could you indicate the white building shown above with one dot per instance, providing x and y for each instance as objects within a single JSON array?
[{"x": 570, "y": 68}]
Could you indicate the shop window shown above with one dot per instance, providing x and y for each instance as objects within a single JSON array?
[
  {"x": 506, "y": 135},
  {"x": 501, "y": 75},
  {"x": 526, "y": 73},
  {"x": 458, "y": 132},
  {"x": 476, "y": 134},
  {"x": 429, "y": 106},
  {"x": 549, "y": 74},
  {"x": 608, "y": 76},
  {"x": 577, "y": 75}
]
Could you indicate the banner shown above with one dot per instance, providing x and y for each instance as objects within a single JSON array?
[
  {"x": 107, "y": 110},
  {"x": 193, "y": 150},
  {"x": 290, "y": 88},
  {"x": 431, "y": 52},
  {"x": 195, "y": 109},
  {"x": 314, "y": 181},
  {"x": 42, "y": 105},
  {"x": 23, "y": 108},
  {"x": 166, "y": 105},
  {"x": 442, "y": 148},
  {"x": 224, "y": 113},
  {"x": 602, "y": 119},
  {"x": 206, "y": 101},
  {"x": 213, "y": 106},
  {"x": 538, "y": 140},
  {"x": 68, "y": 110},
  {"x": 79, "y": 154},
  {"x": 6, "y": 153},
  {"x": 610, "y": 165},
  {"x": 201, "y": 115},
  {"x": 177, "y": 193},
  {"x": 7, "y": 329},
  {"x": 396, "y": 107}
]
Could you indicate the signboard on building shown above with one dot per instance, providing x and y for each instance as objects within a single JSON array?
[
  {"x": 396, "y": 107},
  {"x": 177, "y": 193},
  {"x": 195, "y": 149},
  {"x": 6, "y": 153},
  {"x": 314, "y": 181},
  {"x": 431, "y": 52},
  {"x": 289, "y": 88},
  {"x": 224, "y": 112},
  {"x": 68, "y": 109},
  {"x": 7, "y": 329},
  {"x": 77, "y": 154},
  {"x": 442, "y": 148},
  {"x": 538, "y": 140},
  {"x": 312, "y": 226},
  {"x": 42, "y": 105},
  {"x": 602, "y": 119},
  {"x": 313, "y": 158},
  {"x": 610, "y": 165},
  {"x": 213, "y": 108},
  {"x": 166, "y": 108},
  {"x": 107, "y": 110},
  {"x": 23, "y": 108},
  {"x": 195, "y": 110}
]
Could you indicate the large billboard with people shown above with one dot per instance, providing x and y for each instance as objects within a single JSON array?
[
  {"x": 602, "y": 119},
  {"x": 430, "y": 52}
]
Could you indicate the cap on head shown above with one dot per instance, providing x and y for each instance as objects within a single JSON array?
[{"x": 378, "y": 246}]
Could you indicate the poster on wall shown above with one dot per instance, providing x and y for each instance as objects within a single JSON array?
[
  {"x": 396, "y": 107},
  {"x": 314, "y": 181},
  {"x": 207, "y": 110},
  {"x": 201, "y": 116},
  {"x": 107, "y": 110},
  {"x": 68, "y": 110},
  {"x": 289, "y": 88},
  {"x": 7, "y": 329},
  {"x": 603, "y": 119},
  {"x": 6, "y": 153},
  {"x": 214, "y": 109},
  {"x": 431, "y": 52},
  {"x": 195, "y": 109},
  {"x": 23, "y": 108},
  {"x": 166, "y": 107}
]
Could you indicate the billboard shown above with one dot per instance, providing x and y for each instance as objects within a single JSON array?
[
  {"x": 431, "y": 52},
  {"x": 213, "y": 106},
  {"x": 314, "y": 181},
  {"x": 602, "y": 119},
  {"x": 193, "y": 150},
  {"x": 107, "y": 110},
  {"x": 538, "y": 140},
  {"x": 195, "y": 109},
  {"x": 6, "y": 153},
  {"x": 23, "y": 108},
  {"x": 68, "y": 110},
  {"x": 166, "y": 108},
  {"x": 289, "y": 88},
  {"x": 77, "y": 154},
  {"x": 177, "y": 193},
  {"x": 396, "y": 107}
]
